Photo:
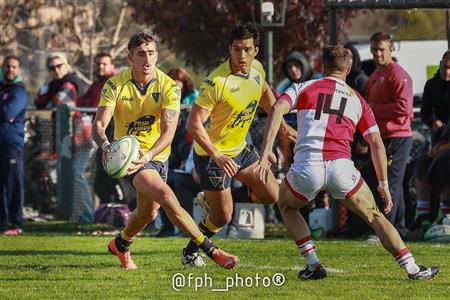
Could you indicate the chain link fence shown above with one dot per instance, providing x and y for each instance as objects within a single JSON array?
[{"x": 63, "y": 183}]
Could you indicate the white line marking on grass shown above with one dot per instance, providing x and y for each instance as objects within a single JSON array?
[{"x": 295, "y": 268}]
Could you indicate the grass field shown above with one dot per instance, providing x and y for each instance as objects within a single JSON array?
[{"x": 55, "y": 261}]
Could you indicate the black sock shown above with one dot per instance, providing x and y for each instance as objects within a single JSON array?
[
  {"x": 121, "y": 244},
  {"x": 208, "y": 247},
  {"x": 191, "y": 246},
  {"x": 241, "y": 195}
]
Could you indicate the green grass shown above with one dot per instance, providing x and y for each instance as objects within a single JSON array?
[{"x": 53, "y": 260}]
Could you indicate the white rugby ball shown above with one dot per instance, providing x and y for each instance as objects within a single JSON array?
[
  {"x": 438, "y": 233},
  {"x": 121, "y": 154}
]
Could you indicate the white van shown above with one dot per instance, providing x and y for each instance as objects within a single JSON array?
[{"x": 419, "y": 58}]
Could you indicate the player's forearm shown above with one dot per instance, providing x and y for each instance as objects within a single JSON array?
[
  {"x": 274, "y": 120},
  {"x": 199, "y": 134},
  {"x": 378, "y": 154},
  {"x": 98, "y": 134},
  {"x": 168, "y": 126}
]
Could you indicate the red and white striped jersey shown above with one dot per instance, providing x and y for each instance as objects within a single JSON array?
[{"x": 328, "y": 113}]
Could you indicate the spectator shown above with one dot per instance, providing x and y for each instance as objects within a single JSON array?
[
  {"x": 186, "y": 83},
  {"x": 297, "y": 69},
  {"x": 104, "y": 186},
  {"x": 13, "y": 103},
  {"x": 389, "y": 93},
  {"x": 435, "y": 106},
  {"x": 181, "y": 172},
  {"x": 63, "y": 85},
  {"x": 434, "y": 112},
  {"x": 357, "y": 78},
  {"x": 84, "y": 208}
]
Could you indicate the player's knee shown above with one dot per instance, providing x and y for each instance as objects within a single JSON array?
[
  {"x": 267, "y": 197},
  {"x": 283, "y": 206},
  {"x": 222, "y": 219},
  {"x": 272, "y": 197},
  {"x": 153, "y": 215}
]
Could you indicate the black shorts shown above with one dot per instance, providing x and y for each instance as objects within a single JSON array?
[
  {"x": 213, "y": 178},
  {"x": 161, "y": 167},
  {"x": 434, "y": 170}
]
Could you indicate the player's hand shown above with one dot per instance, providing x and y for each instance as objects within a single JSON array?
[
  {"x": 289, "y": 133},
  {"x": 226, "y": 163},
  {"x": 139, "y": 162},
  {"x": 263, "y": 167},
  {"x": 386, "y": 197}
]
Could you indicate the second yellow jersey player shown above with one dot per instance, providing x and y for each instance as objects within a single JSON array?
[{"x": 233, "y": 100}]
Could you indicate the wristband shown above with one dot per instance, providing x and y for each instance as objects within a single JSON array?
[
  {"x": 105, "y": 143},
  {"x": 383, "y": 184}
]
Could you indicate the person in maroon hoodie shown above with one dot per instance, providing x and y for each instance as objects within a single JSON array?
[
  {"x": 389, "y": 94},
  {"x": 83, "y": 148},
  {"x": 104, "y": 185}
]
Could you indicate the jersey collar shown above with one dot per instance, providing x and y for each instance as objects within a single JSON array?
[{"x": 142, "y": 90}]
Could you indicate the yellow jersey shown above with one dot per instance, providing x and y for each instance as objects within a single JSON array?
[
  {"x": 137, "y": 111},
  {"x": 232, "y": 100}
]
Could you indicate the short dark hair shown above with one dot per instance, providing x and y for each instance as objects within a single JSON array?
[
  {"x": 140, "y": 38},
  {"x": 335, "y": 58},
  {"x": 103, "y": 54},
  {"x": 380, "y": 37},
  {"x": 446, "y": 55},
  {"x": 245, "y": 31},
  {"x": 11, "y": 57}
]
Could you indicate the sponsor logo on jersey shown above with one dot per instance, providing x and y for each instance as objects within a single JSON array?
[
  {"x": 112, "y": 85},
  {"x": 246, "y": 115},
  {"x": 234, "y": 90},
  {"x": 142, "y": 124},
  {"x": 209, "y": 82},
  {"x": 127, "y": 99}
]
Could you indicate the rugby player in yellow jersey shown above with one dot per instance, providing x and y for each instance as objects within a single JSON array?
[
  {"x": 229, "y": 98},
  {"x": 145, "y": 103}
]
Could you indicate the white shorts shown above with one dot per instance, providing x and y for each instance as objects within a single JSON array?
[{"x": 339, "y": 177}]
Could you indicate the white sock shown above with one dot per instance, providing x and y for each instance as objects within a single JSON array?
[
  {"x": 406, "y": 260},
  {"x": 308, "y": 251}
]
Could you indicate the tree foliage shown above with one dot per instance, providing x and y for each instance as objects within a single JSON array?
[
  {"x": 198, "y": 30},
  {"x": 420, "y": 25},
  {"x": 33, "y": 29}
]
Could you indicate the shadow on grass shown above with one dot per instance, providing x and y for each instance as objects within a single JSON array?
[{"x": 62, "y": 227}]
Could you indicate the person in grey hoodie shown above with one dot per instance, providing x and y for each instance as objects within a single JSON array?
[{"x": 297, "y": 69}]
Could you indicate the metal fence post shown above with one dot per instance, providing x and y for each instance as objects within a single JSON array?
[{"x": 64, "y": 188}]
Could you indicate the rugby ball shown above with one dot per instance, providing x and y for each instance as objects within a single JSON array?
[
  {"x": 438, "y": 233},
  {"x": 122, "y": 153}
]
